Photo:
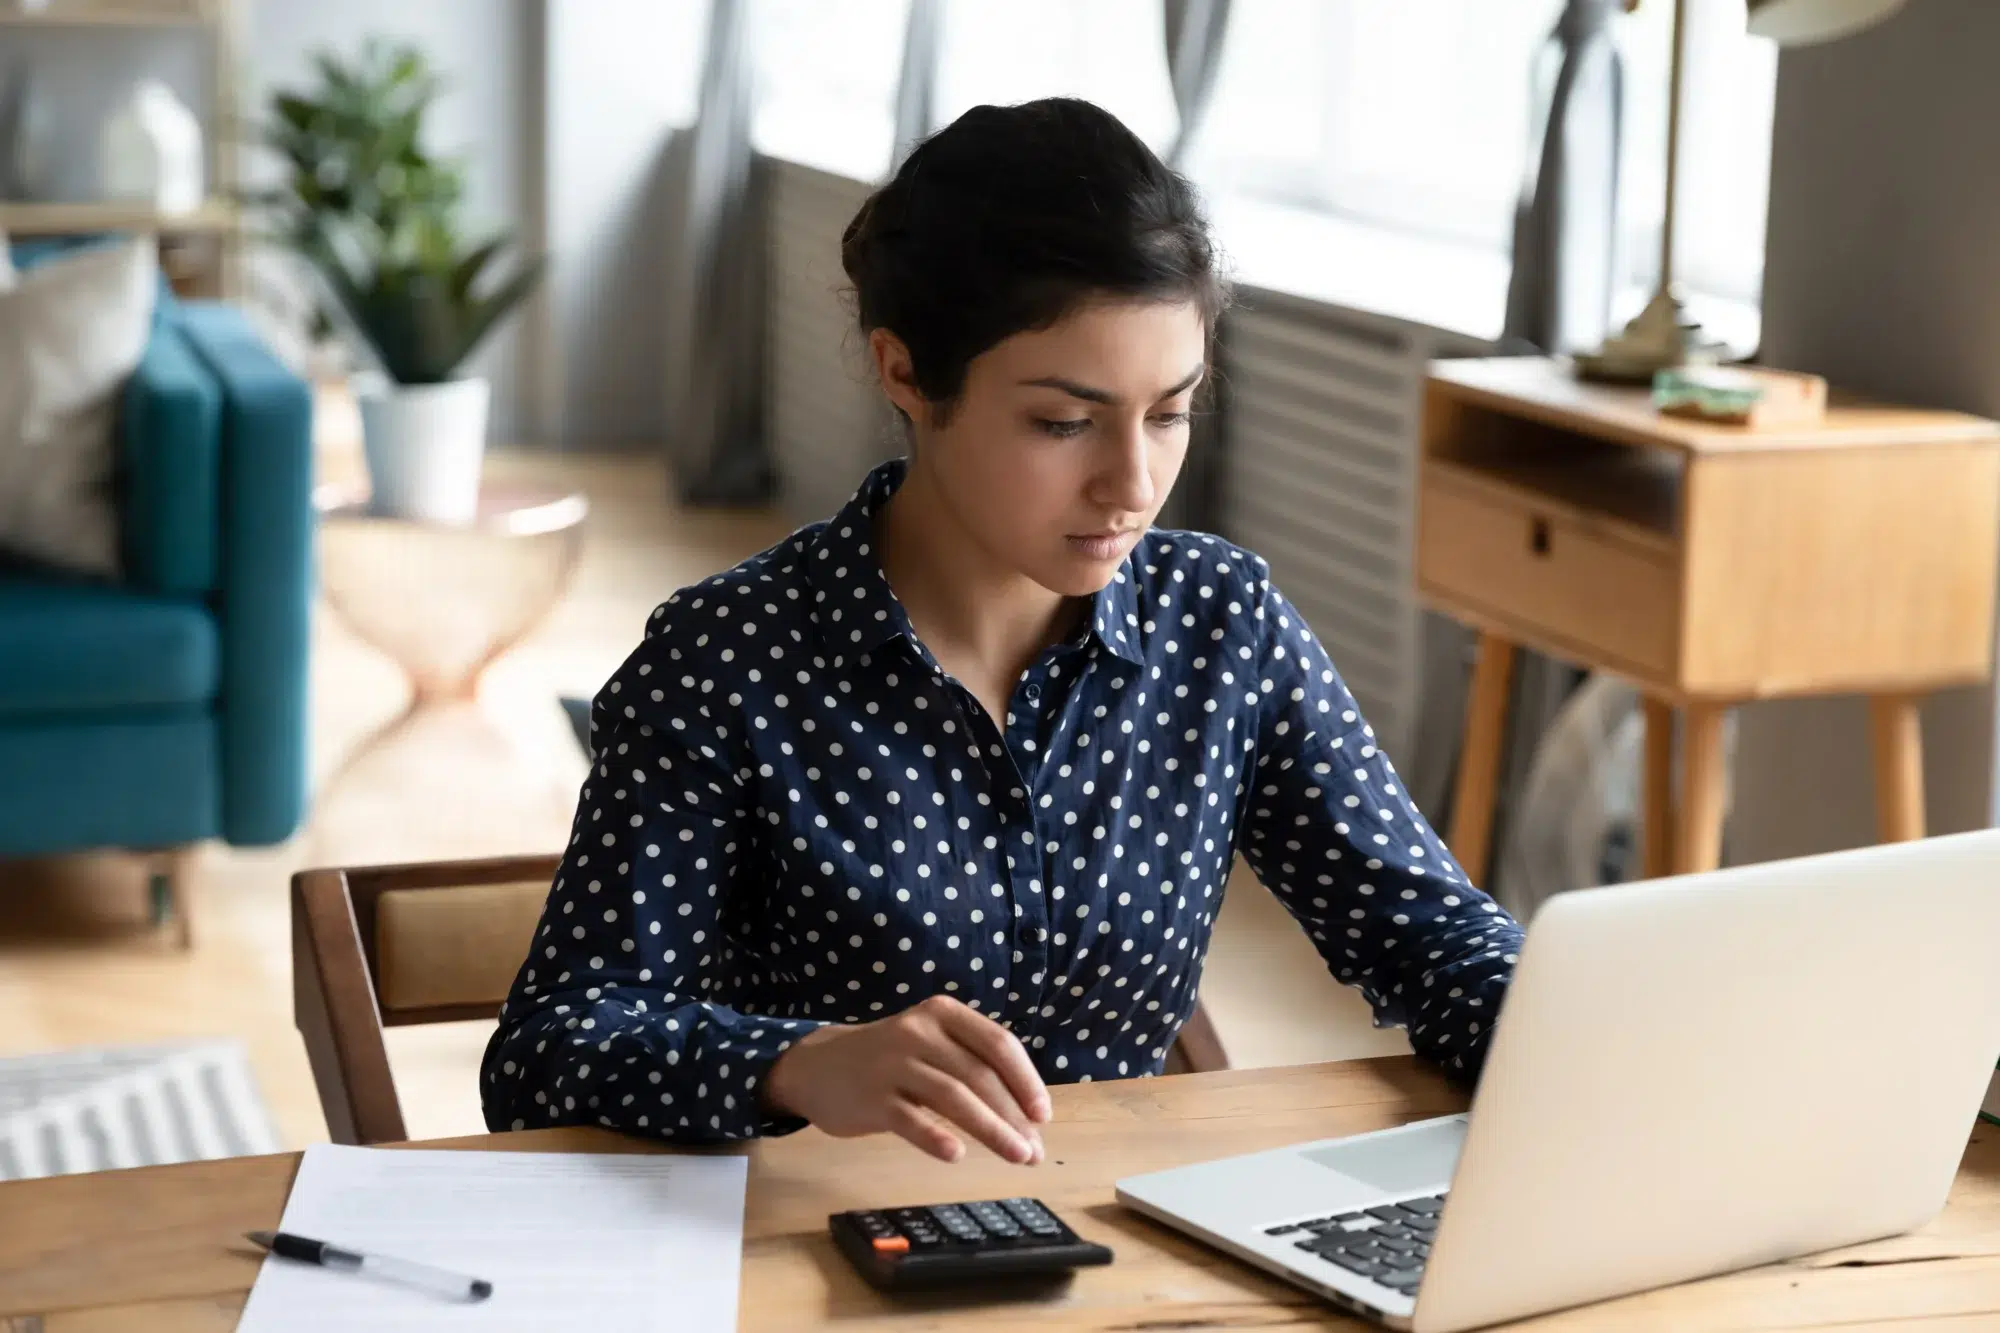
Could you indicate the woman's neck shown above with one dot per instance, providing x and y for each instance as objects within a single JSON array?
[{"x": 977, "y": 617}]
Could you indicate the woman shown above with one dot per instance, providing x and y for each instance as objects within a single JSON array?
[{"x": 933, "y": 803}]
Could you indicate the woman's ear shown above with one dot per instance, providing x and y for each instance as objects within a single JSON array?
[{"x": 896, "y": 373}]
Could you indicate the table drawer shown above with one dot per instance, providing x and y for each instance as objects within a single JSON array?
[{"x": 1549, "y": 576}]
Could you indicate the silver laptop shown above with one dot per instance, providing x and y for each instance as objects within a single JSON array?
[{"x": 1690, "y": 1076}]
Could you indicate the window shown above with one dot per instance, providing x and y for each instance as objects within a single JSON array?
[
  {"x": 1418, "y": 115},
  {"x": 1729, "y": 80},
  {"x": 826, "y": 73},
  {"x": 827, "y": 69},
  {"x": 1113, "y": 52}
]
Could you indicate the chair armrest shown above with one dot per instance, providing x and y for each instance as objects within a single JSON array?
[
  {"x": 170, "y": 454},
  {"x": 264, "y": 598}
]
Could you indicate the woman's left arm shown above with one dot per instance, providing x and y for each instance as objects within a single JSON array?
[{"x": 1330, "y": 830}]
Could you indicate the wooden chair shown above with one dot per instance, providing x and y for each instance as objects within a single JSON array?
[{"x": 383, "y": 946}]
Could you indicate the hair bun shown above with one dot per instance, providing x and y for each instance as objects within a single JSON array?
[{"x": 1007, "y": 219}]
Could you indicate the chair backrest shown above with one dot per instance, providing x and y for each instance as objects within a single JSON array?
[{"x": 383, "y": 946}]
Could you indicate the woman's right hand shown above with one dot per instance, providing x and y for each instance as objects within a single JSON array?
[{"x": 927, "y": 1073}]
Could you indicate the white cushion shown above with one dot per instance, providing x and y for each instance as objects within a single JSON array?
[{"x": 72, "y": 331}]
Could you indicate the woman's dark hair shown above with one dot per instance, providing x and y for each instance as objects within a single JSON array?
[{"x": 1007, "y": 219}]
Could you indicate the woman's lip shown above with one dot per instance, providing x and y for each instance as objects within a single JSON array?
[
  {"x": 1102, "y": 536},
  {"x": 1101, "y": 546}
]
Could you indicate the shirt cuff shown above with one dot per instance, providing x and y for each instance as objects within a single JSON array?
[{"x": 764, "y": 1122}]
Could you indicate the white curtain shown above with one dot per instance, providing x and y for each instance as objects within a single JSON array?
[
  {"x": 916, "y": 83},
  {"x": 1565, "y": 229},
  {"x": 1194, "y": 53},
  {"x": 715, "y": 324}
]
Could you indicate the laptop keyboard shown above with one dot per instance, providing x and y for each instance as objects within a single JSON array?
[{"x": 1387, "y": 1245}]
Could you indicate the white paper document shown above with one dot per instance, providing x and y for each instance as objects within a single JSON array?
[{"x": 568, "y": 1240}]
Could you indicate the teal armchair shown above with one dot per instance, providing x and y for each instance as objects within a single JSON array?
[{"x": 170, "y": 707}]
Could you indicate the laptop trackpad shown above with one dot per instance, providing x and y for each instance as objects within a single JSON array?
[{"x": 1404, "y": 1161}]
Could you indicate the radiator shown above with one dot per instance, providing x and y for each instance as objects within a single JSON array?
[
  {"x": 1318, "y": 475},
  {"x": 827, "y": 422}
]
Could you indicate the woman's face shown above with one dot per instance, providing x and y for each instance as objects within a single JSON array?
[{"x": 1065, "y": 441}]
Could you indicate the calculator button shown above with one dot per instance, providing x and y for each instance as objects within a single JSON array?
[
  {"x": 892, "y": 1245},
  {"x": 1028, "y": 1213},
  {"x": 955, "y": 1221}
]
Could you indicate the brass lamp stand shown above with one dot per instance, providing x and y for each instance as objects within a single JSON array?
[{"x": 1661, "y": 336}]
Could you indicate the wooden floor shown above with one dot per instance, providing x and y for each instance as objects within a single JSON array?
[{"x": 79, "y": 968}]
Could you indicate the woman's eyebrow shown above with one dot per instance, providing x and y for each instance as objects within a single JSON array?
[{"x": 1105, "y": 396}]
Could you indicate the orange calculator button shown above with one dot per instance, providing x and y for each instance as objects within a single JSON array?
[{"x": 892, "y": 1244}]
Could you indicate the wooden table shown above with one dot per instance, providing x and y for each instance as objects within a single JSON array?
[
  {"x": 158, "y": 1248},
  {"x": 1707, "y": 564}
]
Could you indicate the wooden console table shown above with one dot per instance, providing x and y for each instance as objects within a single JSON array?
[{"x": 1708, "y": 565}]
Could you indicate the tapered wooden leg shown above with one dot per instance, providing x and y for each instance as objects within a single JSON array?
[
  {"x": 170, "y": 892},
  {"x": 1704, "y": 780},
  {"x": 1479, "y": 755},
  {"x": 1657, "y": 798},
  {"x": 1897, "y": 731}
]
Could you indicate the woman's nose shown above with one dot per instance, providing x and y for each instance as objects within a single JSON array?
[{"x": 1125, "y": 481}]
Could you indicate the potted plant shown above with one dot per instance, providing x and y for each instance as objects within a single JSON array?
[{"x": 378, "y": 218}]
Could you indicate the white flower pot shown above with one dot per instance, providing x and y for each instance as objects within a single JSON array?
[{"x": 425, "y": 444}]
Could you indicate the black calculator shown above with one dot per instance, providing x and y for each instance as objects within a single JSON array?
[{"x": 944, "y": 1243}]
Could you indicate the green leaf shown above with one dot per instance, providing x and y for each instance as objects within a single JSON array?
[
  {"x": 466, "y": 274},
  {"x": 296, "y": 112},
  {"x": 484, "y": 313}
]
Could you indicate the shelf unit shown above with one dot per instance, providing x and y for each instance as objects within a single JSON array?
[
  {"x": 74, "y": 15},
  {"x": 56, "y": 219},
  {"x": 217, "y": 224}
]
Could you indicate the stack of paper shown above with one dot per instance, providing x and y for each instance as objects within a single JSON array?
[{"x": 569, "y": 1241}]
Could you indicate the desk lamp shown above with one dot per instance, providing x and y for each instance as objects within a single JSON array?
[{"x": 1661, "y": 336}]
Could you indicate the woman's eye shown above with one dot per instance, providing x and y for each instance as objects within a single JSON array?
[
  {"x": 1062, "y": 430},
  {"x": 1169, "y": 420}
]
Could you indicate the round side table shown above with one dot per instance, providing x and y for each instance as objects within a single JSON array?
[{"x": 446, "y": 778}]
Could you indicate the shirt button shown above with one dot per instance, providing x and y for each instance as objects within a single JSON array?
[
  {"x": 1033, "y": 694},
  {"x": 1024, "y": 936}
]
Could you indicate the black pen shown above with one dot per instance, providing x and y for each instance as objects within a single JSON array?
[{"x": 451, "y": 1286}]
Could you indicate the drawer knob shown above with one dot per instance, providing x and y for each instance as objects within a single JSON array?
[{"x": 1538, "y": 536}]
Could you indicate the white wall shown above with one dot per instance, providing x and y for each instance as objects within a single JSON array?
[{"x": 621, "y": 78}]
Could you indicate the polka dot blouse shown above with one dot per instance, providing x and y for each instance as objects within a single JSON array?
[{"x": 795, "y": 817}]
